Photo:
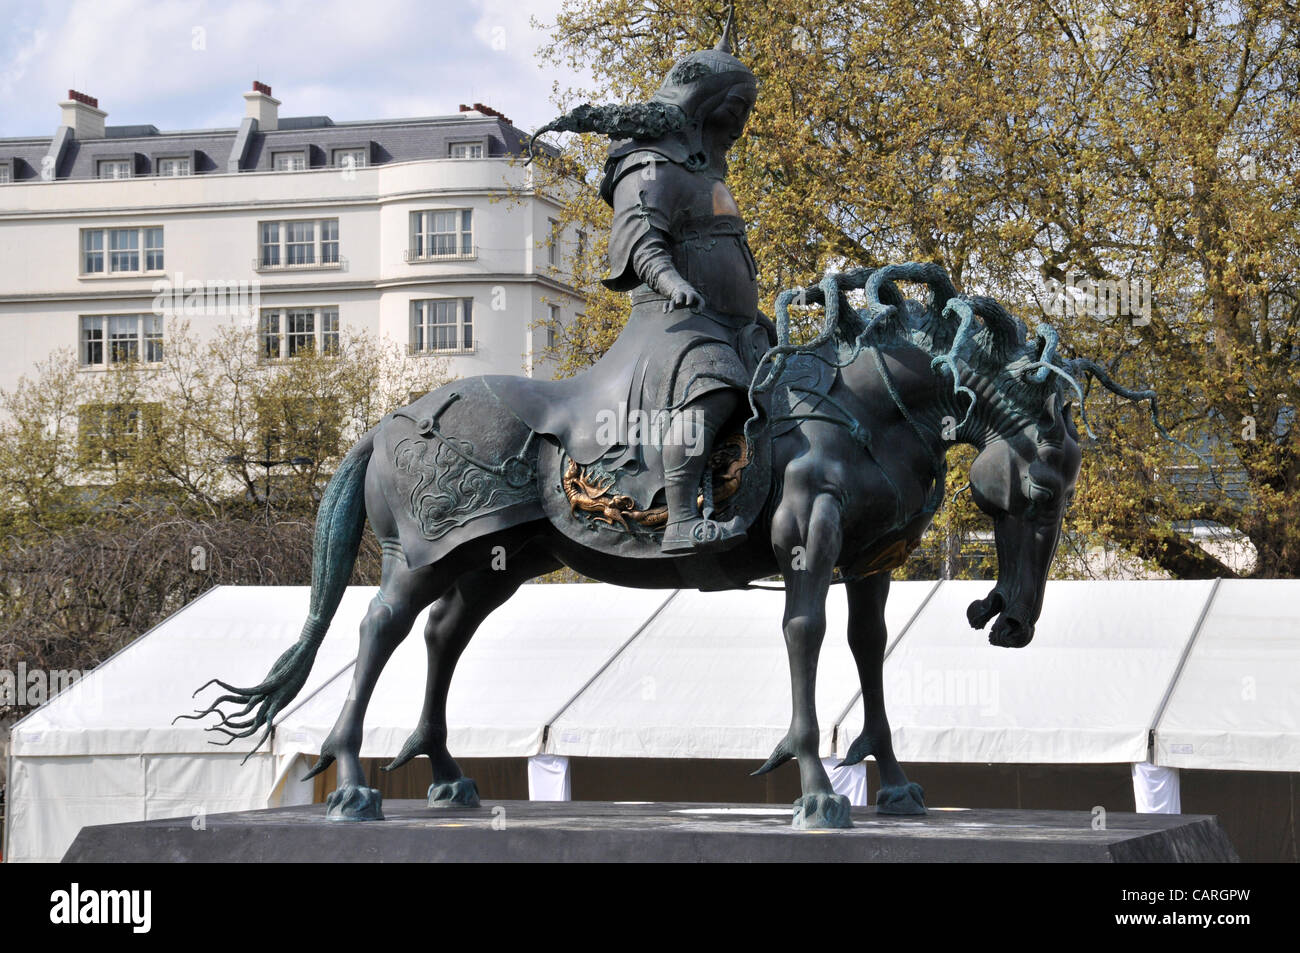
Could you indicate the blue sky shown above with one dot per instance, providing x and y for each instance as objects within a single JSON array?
[{"x": 184, "y": 64}]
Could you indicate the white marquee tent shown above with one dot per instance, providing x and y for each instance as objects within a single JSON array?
[{"x": 1162, "y": 675}]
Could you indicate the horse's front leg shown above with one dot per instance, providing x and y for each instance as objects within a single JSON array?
[
  {"x": 806, "y": 536},
  {"x": 867, "y": 637}
]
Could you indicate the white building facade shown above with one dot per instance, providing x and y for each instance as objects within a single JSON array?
[{"x": 427, "y": 232}]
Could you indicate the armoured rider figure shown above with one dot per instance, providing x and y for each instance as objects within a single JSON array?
[{"x": 678, "y": 245}]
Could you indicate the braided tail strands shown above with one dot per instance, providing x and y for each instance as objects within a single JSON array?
[{"x": 637, "y": 121}]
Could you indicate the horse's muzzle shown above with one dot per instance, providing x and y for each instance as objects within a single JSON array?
[{"x": 1011, "y": 632}]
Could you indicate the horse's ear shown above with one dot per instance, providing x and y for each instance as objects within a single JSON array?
[
  {"x": 1048, "y": 420},
  {"x": 1067, "y": 414},
  {"x": 1048, "y": 416}
]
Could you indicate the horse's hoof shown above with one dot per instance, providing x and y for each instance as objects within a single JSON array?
[
  {"x": 462, "y": 792},
  {"x": 822, "y": 812},
  {"x": 354, "y": 803},
  {"x": 906, "y": 798}
]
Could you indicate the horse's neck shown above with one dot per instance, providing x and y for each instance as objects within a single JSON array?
[{"x": 943, "y": 416}]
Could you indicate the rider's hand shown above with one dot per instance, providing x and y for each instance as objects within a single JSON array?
[{"x": 684, "y": 296}]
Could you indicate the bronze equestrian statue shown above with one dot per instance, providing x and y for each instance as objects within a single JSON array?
[{"x": 818, "y": 458}]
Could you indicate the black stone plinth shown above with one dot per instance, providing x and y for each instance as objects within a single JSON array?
[{"x": 599, "y": 831}]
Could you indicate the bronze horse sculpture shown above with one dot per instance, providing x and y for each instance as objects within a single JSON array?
[
  {"x": 836, "y": 461},
  {"x": 854, "y": 424}
]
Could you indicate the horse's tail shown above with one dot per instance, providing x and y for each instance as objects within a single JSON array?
[{"x": 340, "y": 520}]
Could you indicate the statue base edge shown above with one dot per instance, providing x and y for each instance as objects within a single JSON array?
[{"x": 577, "y": 831}]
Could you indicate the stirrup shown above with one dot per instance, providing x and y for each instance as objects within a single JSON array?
[{"x": 701, "y": 535}]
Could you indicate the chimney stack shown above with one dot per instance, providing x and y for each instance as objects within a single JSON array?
[
  {"x": 81, "y": 113},
  {"x": 485, "y": 111},
  {"x": 261, "y": 106}
]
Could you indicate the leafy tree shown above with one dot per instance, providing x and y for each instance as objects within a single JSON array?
[
  {"x": 194, "y": 429},
  {"x": 129, "y": 492},
  {"x": 1142, "y": 152}
]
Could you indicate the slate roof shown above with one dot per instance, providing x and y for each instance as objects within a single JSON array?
[{"x": 386, "y": 140}]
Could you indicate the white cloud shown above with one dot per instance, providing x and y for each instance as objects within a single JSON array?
[
  {"x": 28, "y": 45},
  {"x": 183, "y": 64}
]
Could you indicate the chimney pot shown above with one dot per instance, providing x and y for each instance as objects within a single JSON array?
[
  {"x": 82, "y": 114},
  {"x": 260, "y": 105}
]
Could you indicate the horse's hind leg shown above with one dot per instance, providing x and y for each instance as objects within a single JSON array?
[
  {"x": 402, "y": 594},
  {"x": 452, "y": 622}
]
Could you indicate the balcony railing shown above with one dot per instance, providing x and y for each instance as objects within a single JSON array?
[
  {"x": 444, "y": 351},
  {"x": 340, "y": 264},
  {"x": 411, "y": 256}
]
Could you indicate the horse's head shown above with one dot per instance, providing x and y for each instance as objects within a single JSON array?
[
  {"x": 1024, "y": 481},
  {"x": 1009, "y": 391}
]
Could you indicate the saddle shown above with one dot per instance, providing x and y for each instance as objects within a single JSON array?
[{"x": 599, "y": 465}]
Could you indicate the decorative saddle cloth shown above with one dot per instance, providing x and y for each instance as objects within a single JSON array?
[{"x": 462, "y": 461}]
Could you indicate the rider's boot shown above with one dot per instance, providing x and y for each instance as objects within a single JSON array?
[{"x": 687, "y": 531}]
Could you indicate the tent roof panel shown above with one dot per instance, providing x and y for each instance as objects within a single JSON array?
[
  {"x": 1084, "y": 691},
  {"x": 709, "y": 678},
  {"x": 527, "y": 660},
  {"x": 234, "y": 633},
  {"x": 1237, "y": 702}
]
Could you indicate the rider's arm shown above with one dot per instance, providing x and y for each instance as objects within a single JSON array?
[
  {"x": 652, "y": 260},
  {"x": 640, "y": 248}
]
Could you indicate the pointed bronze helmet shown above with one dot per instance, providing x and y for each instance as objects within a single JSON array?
[{"x": 700, "y": 81}]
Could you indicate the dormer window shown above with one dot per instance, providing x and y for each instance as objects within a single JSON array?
[
  {"x": 114, "y": 168},
  {"x": 6, "y": 173},
  {"x": 174, "y": 166},
  {"x": 349, "y": 158},
  {"x": 289, "y": 161},
  {"x": 466, "y": 150}
]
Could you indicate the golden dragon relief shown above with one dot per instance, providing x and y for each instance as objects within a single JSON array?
[{"x": 596, "y": 497}]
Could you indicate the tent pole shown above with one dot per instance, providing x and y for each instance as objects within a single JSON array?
[
  {"x": 835, "y": 727},
  {"x": 1178, "y": 672},
  {"x": 9, "y": 800},
  {"x": 546, "y": 726}
]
